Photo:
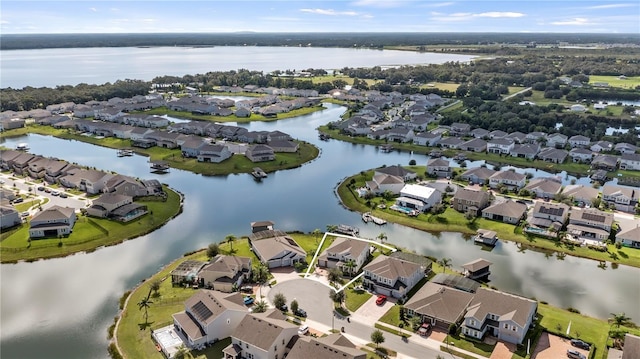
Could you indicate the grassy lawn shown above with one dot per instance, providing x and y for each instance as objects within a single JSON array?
[
  {"x": 473, "y": 346},
  {"x": 447, "y": 86},
  {"x": 613, "y": 81},
  {"x": 392, "y": 316},
  {"x": 88, "y": 233},
  {"x": 232, "y": 118},
  {"x": 345, "y": 78},
  {"x": 355, "y": 299}
]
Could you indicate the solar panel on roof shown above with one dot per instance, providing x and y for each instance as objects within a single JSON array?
[
  {"x": 201, "y": 311},
  {"x": 593, "y": 217}
]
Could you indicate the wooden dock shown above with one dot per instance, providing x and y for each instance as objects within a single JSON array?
[
  {"x": 368, "y": 217},
  {"x": 258, "y": 173},
  {"x": 159, "y": 166}
]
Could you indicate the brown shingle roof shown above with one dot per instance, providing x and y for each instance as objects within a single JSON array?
[
  {"x": 507, "y": 209},
  {"x": 392, "y": 268},
  {"x": 506, "y": 306},
  {"x": 437, "y": 301},
  {"x": 262, "y": 329},
  {"x": 333, "y": 346}
]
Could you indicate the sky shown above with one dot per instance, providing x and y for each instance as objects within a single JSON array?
[{"x": 152, "y": 16}]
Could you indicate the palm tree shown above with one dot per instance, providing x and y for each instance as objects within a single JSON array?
[
  {"x": 260, "y": 307},
  {"x": 382, "y": 237},
  {"x": 182, "y": 353},
  {"x": 331, "y": 227},
  {"x": 260, "y": 275},
  {"x": 445, "y": 262},
  {"x": 619, "y": 319},
  {"x": 155, "y": 287},
  {"x": 316, "y": 233},
  {"x": 350, "y": 265},
  {"x": 230, "y": 239},
  {"x": 145, "y": 303}
]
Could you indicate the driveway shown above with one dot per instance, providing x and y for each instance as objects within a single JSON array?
[
  {"x": 552, "y": 347},
  {"x": 503, "y": 351},
  {"x": 370, "y": 312}
]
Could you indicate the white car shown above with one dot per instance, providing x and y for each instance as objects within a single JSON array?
[{"x": 303, "y": 330}]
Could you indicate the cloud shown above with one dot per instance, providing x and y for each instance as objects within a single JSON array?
[
  {"x": 439, "y": 4},
  {"x": 578, "y": 21},
  {"x": 330, "y": 12},
  {"x": 496, "y": 14},
  {"x": 609, "y": 6},
  {"x": 463, "y": 16},
  {"x": 381, "y": 3}
]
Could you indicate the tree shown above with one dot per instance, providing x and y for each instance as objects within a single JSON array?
[
  {"x": 213, "y": 250},
  {"x": 382, "y": 237},
  {"x": 230, "y": 239},
  {"x": 145, "y": 303},
  {"x": 260, "y": 275},
  {"x": 349, "y": 265},
  {"x": 331, "y": 227},
  {"x": 182, "y": 353},
  {"x": 412, "y": 162},
  {"x": 416, "y": 322},
  {"x": 155, "y": 287},
  {"x": 260, "y": 307},
  {"x": 445, "y": 263},
  {"x": 335, "y": 274},
  {"x": 279, "y": 300},
  {"x": 294, "y": 306},
  {"x": 337, "y": 297},
  {"x": 316, "y": 233},
  {"x": 619, "y": 319},
  {"x": 377, "y": 337}
]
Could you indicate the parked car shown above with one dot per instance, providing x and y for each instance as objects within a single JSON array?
[
  {"x": 24, "y": 214},
  {"x": 246, "y": 289},
  {"x": 55, "y": 193},
  {"x": 301, "y": 313},
  {"x": 284, "y": 308},
  {"x": 248, "y": 300},
  {"x": 303, "y": 330},
  {"x": 63, "y": 195},
  {"x": 18, "y": 200},
  {"x": 574, "y": 354},
  {"x": 381, "y": 299},
  {"x": 40, "y": 188},
  {"x": 580, "y": 344}
]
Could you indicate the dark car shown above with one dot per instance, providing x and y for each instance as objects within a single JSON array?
[
  {"x": 574, "y": 354},
  {"x": 63, "y": 195},
  {"x": 18, "y": 200},
  {"x": 284, "y": 308},
  {"x": 40, "y": 188},
  {"x": 301, "y": 313},
  {"x": 580, "y": 344},
  {"x": 246, "y": 289}
]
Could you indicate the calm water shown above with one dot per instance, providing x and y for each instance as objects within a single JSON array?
[
  {"x": 67, "y": 304},
  {"x": 53, "y": 67}
]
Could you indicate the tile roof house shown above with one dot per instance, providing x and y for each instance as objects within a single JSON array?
[
  {"x": 344, "y": 251},
  {"x": 332, "y": 346},
  {"x": 589, "y": 225},
  {"x": 209, "y": 316},
  {"x": 390, "y": 276},
  {"x": 505, "y": 316},
  {"x": 276, "y": 249},
  {"x": 509, "y": 179},
  {"x": 478, "y": 175},
  {"x": 629, "y": 238},
  {"x": 438, "y": 305},
  {"x": 54, "y": 221},
  {"x": 544, "y": 187},
  {"x": 630, "y": 161},
  {"x": 468, "y": 200},
  {"x": 438, "y": 167},
  {"x": 223, "y": 272},
  {"x": 623, "y": 197},
  {"x": 507, "y": 212},
  {"x": 261, "y": 336}
]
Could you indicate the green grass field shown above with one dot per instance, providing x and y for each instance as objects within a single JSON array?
[
  {"x": 614, "y": 81},
  {"x": 231, "y": 118}
]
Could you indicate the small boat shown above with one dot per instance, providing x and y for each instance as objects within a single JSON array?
[
  {"x": 125, "y": 153},
  {"x": 258, "y": 173},
  {"x": 366, "y": 217},
  {"x": 378, "y": 221},
  {"x": 324, "y": 137},
  {"x": 22, "y": 146},
  {"x": 386, "y": 148},
  {"x": 159, "y": 167}
]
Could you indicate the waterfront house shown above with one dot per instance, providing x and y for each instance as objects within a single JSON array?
[
  {"x": 478, "y": 175},
  {"x": 450, "y": 142},
  {"x": 527, "y": 150},
  {"x": 418, "y": 197},
  {"x": 508, "y": 212},
  {"x": 602, "y": 146},
  {"x": 332, "y": 346},
  {"x": 500, "y": 145},
  {"x": 480, "y": 133},
  {"x": 9, "y": 217},
  {"x": 581, "y": 194},
  {"x": 104, "y": 205},
  {"x": 438, "y": 167},
  {"x": 438, "y": 305},
  {"x": 392, "y": 277},
  {"x": 557, "y": 140},
  {"x": 284, "y": 146},
  {"x": 579, "y": 141},
  {"x": 224, "y": 273},
  {"x": 426, "y": 139},
  {"x": 623, "y": 197},
  {"x": 260, "y": 153},
  {"x": 346, "y": 254},
  {"x": 213, "y": 153},
  {"x": 589, "y": 225},
  {"x": 397, "y": 170},
  {"x": 630, "y": 161},
  {"x": 276, "y": 249},
  {"x": 510, "y": 179},
  {"x": 581, "y": 155},
  {"x": 547, "y": 218},
  {"x": 544, "y": 187},
  {"x": 126, "y": 185},
  {"x": 261, "y": 336},
  {"x": 471, "y": 201},
  {"x": 382, "y": 182},
  {"x": 553, "y": 155},
  {"x": 629, "y": 238},
  {"x": 474, "y": 145},
  {"x": 209, "y": 316},
  {"x": 55, "y": 221},
  {"x": 625, "y": 148},
  {"x": 605, "y": 162},
  {"x": 505, "y": 316},
  {"x": 399, "y": 134}
]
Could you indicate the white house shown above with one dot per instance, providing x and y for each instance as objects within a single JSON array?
[
  {"x": 261, "y": 336},
  {"x": 630, "y": 161},
  {"x": 500, "y": 145},
  {"x": 347, "y": 254},
  {"x": 52, "y": 222},
  {"x": 392, "y": 276},
  {"x": 510, "y": 179},
  {"x": 418, "y": 197}
]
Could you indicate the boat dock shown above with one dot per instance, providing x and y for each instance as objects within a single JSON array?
[
  {"x": 386, "y": 148},
  {"x": 258, "y": 173},
  {"x": 486, "y": 237},
  {"x": 367, "y": 217},
  {"x": 348, "y": 230},
  {"x": 159, "y": 166},
  {"x": 125, "y": 152}
]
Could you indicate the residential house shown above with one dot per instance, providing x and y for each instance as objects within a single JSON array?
[
  {"x": 284, "y": 146},
  {"x": 581, "y": 194},
  {"x": 602, "y": 146},
  {"x": 630, "y": 161},
  {"x": 557, "y": 140},
  {"x": 418, "y": 197},
  {"x": 260, "y": 153},
  {"x": 624, "y": 198},
  {"x": 104, "y": 205},
  {"x": 536, "y": 137},
  {"x": 553, "y": 155},
  {"x": 439, "y": 305},
  {"x": 470, "y": 201},
  {"x": 332, "y": 346},
  {"x": 346, "y": 254},
  {"x": 20, "y": 163},
  {"x": 397, "y": 170},
  {"x": 496, "y": 134},
  {"x": 460, "y": 129},
  {"x": 625, "y": 148},
  {"x": 500, "y": 145},
  {"x": 605, "y": 162},
  {"x": 7, "y": 158},
  {"x": 213, "y": 153},
  {"x": 589, "y": 225},
  {"x": 517, "y": 137},
  {"x": 426, "y": 139},
  {"x": 392, "y": 277},
  {"x": 450, "y": 142},
  {"x": 527, "y": 150},
  {"x": 54, "y": 221},
  {"x": 478, "y": 175},
  {"x": 474, "y": 145},
  {"x": 90, "y": 181},
  {"x": 276, "y": 249},
  {"x": 9, "y": 217},
  {"x": 581, "y": 155},
  {"x": 223, "y": 273},
  {"x": 480, "y": 133},
  {"x": 261, "y": 336},
  {"x": 438, "y": 167},
  {"x": 505, "y": 316},
  {"x": 191, "y": 146},
  {"x": 209, "y": 316},
  {"x": 125, "y": 185},
  {"x": 382, "y": 182},
  {"x": 579, "y": 141},
  {"x": 629, "y": 238},
  {"x": 544, "y": 187},
  {"x": 508, "y": 212},
  {"x": 509, "y": 179},
  {"x": 399, "y": 134},
  {"x": 547, "y": 218}
]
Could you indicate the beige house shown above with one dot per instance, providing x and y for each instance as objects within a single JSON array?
[
  {"x": 589, "y": 224},
  {"x": 105, "y": 204},
  {"x": 333, "y": 346},
  {"x": 52, "y": 222},
  {"x": 439, "y": 305},
  {"x": 276, "y": 249},
  {"x": 223, "y": 272},
  {"x": 344, "y": 251},
  {"x": 393, "y": 277},
  {"x": 508, "y": 212},
  {"x": 468, "y": 200},
  {"x": 261, "y": 336}
]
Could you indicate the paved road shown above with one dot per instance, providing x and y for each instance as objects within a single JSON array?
[
  {"x": 72, "y": 201},
  {"x": 516, "y": 94}
]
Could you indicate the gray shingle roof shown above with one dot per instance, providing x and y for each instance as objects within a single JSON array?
[
  {"x": 506, "y": 306},
  {"x": 262, "y": 329}
]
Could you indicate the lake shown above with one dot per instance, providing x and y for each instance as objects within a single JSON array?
[
  {"x": 53, "y": 67},
  {"x": 67, "y": 304}
]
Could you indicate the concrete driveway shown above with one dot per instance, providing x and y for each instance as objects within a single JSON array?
[
  {"x": 370, "y": 312},
  {"x": 552, "y": 347},
  {"x": 312, "y": 296}
]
